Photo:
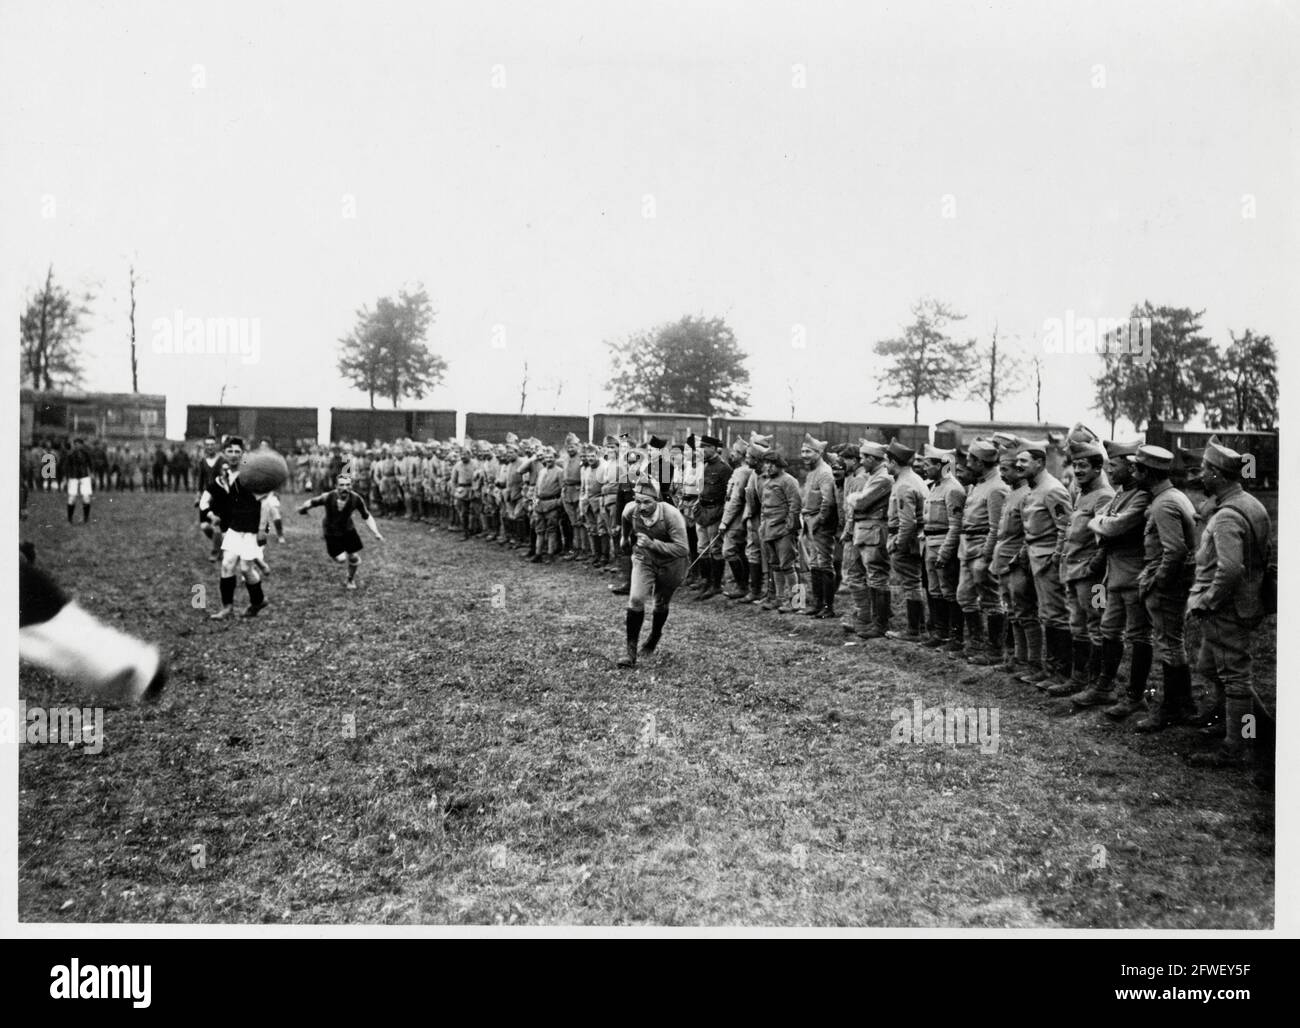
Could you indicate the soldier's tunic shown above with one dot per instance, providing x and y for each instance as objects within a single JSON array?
[
  {"x": 820, "y": 517},
  {"x": 1231, "y": 561},
  {"x": 488, "y": 490},
  {"x": 1084, "y": 562},
  {"x": 1165, "y": 580},
  {"x": 854, "y": 571},
  {"x": 733, "y": 513},
  {"x": 976, "y": 588},
  {"x": 779, "y": 521},
  {"x": 692, "y": 481},
  {"x": 462, "y": 484},
  {"x": 906, "y": 516},
  {"x": 869, "y": 508},
  {"x": 608, "y": 478},
  {"x": 754, "y": 519},
  {"x": 390, "y": 490},
  {"x": 714, "y": 477},
  {"x": 589, "y": 499},
  {"x": 659, "y": 566},
  {"x": 1046, "y": 516},
  {"x": 944, "y": 509},
  {"x": 1010, "y": 567}
]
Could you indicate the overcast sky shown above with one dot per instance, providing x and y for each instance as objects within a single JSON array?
[{"x": 806, "y": 164}]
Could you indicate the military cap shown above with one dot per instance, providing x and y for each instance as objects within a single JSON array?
[
  {"x": 511, "y": 438},
  {"x": 758, "y": 450},
  {"x": 1114, "y": 449},
  {"x": 813, "y": 444},
  {"x": 774, "y": 456},
  {"x": 1156, "y": 457},
  {"x": 871, "y": 448},
  {"x": 850, "y": 451},
  {"x": 739, "y": 446},
  {"x": 902, "y": 454},
  {"x": 762, "y": 440},
  {"x": 1219, "y": 456},
  {"x": 1036, "y": 447},
  {"x": 1081, "y": 433},
  {"x": 647, "y": 487},
  {"x": 611, "y": 442},
  {"x": 983, "y": 449},
  {"x": 656, "y": 443},
  {"x": 572, "y": 439},
  {"x": 1184, "y": 459},
  {"x": 934, "y": 453},
  {"x": 1008, "y": 441},
  {"x": 1082, "y": 449},
  {"x": 711, "y": 440}
]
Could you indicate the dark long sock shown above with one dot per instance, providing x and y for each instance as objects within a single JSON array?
[
  {"x": 635, "y": 619},
  {"x": 85, "y": 512},
  {"x": 72, "y": 509},
  {"x": 255, "y": 594},
  {"x": 227, "y": 591}
]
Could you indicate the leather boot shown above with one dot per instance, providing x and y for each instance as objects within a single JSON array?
[
  {"x": 785, "y": 581},
  {"x": 992, "y": 655},
  {"x": 1077, "y": 682},
  {"x": 706, "y": 573},
  {"x": 812, "y": 594},
  {"x": 757, "y": 583},
  {"x": 1138, "y": 672},
  {"x": 1175, "y": 698},
  {"x": 1018, "y": 657},
  {"x": 879, "y": 616},
  {"x": 956, "y": 627},
  {"x": 1106, "y": 659},
  {"x": 915, "y": 619},
  {"x": 1237, "y": 748},
  {"x": 740, "y": 572},
  {"x": 657, "y": 620},
  {"x": 827, "y": 595},
  {"x": 974, "y": 620},
  {"x": 939, "y": 610},
  {"x": 1034, "y": 639}
]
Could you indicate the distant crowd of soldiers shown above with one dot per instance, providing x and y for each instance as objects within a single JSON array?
[
  {"x": 122, "y": 468},
  {"x": 996, "y": 560}
]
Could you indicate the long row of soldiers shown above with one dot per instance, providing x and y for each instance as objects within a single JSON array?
[{"x": 1051, "y": 580}]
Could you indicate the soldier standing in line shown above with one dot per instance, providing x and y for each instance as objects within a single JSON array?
[
  {"x": 1046, "y": 516},
  {"x": 692, "y": 480},
  {"x": 589, "y": 507},
  {"x": 714, "y": 477},
  {"x": 1119, "y": 527},
  {"x": 569, "y": 496},
  {"x": 1010, "y": 568},
  {"x": 819, "y": 521},
  {"x": 779, "y": 529},
  {"x": 1164, "y": 582},
  {"x": 631, "y": 469},
  {"x": 1231, "y": 562},
  {"x": 550, "y": 509},
  {"x": 906, "y": 516},
  {"x": 732, "y": 525},
  {"x": 607, "y": 482},
  {"x": 759, "y": 447},
  {"x": 941, "y": 535},
  {"x": 977, "y": 591},
  {"x": 869, "y": 508},
  {"x": 855, "y": 573},
  {"x": 462, "y": 484},
  {"x": 1082, "y": 569}
]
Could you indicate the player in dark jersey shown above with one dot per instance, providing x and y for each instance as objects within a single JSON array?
[
  {"x": 341, "y": 540},
  {"x": 238, "y": 513},
  {"x": 209, "y": 469}
]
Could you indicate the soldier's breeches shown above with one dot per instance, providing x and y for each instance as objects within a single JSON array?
[
  {"x": 976, "y": 588},
  {"x": 942, "y": 579},
  {"x": 1084, "y": 600},
  {"x": 818, "y": 547},
  {"x": 1125, "y": 616},
  {"x": 571, "y": 511},
  {"x": 876, "y": 560},
  {"x": 779, "y": 554},
  {"x": 753, "y": 547},
  {"x": 548, "y": 531},
  {"x": 1052, "y": 612},
  {"x": 659, "y": 583},
  {"x": 1167, "y": 610},
  {"x": 905, "y": 569},
  {"x": 1225, "y": 658},
  {"x": 733, "y": 543}
]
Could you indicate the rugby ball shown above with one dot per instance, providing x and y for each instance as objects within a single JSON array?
[{"x": 262, "y": 471}]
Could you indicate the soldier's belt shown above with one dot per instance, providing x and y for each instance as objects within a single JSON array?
[
  {"x": 936, "y": 531},
  {"x": 868, "y": 517},
  {"x": 554, "y": 496},
  {"x": 974, "y": 533}
]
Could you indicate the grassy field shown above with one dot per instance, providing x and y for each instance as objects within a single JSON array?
[{"x": 451, "y": 743}]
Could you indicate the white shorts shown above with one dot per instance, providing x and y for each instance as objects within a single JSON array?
[
  {"x": 78, "y": 485},
  {"x": 242, "y": 544},
  {"x": 273, "y": 502}
]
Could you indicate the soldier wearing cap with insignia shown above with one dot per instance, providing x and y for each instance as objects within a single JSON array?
[
  {"x": 977, "y": 590},
  {"x": 654, "y": 534},
  {"x": 1010, "y": 568},
  {"x": 714, "y": 478},
  {"x": 1231, "y": 563},
  {"x": 571, "y": 524},
  {"x": 779, "y": 529},
  {"x": 732, "y": 527},
  {"x": 549, "y": 506},
  {"x": 1046, "y": 516},
  {"x": 1082, "y": 569},
  {"x": 819, "y": 521},
  {"x": 1164, "y": 582},
  {"x": 759, "y": 447},
  {"x": 906, "y": 516},
  {"x": 867, "y": 511},
  {"x": 1119, "y": 527},
  {"x": 944, "y": 506}
]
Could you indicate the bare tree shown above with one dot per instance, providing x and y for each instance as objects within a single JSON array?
[
  {"x": 523, "y": 389},
  {"x": 1000, "y": 373},
  {"x": 135, "y": 364},
  {"x": 1037, "y": 361}
]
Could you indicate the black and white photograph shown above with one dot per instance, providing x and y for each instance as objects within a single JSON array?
[{"x": 673, "y": 467}]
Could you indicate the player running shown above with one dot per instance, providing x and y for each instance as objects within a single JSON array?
[{"x": 341, "y": 539}]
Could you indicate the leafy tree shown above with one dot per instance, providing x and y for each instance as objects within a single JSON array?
[
  {"x": 1247, "y": 396},
  {"x": 385, "y": 353},
  {"x": 1000, "y": 372},
  {"x": 1109, "y": 388},
  {"x": 925, "y": 361},
  {"x": 50, "y": 330},
  {"x": 692, "y": 365}
]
